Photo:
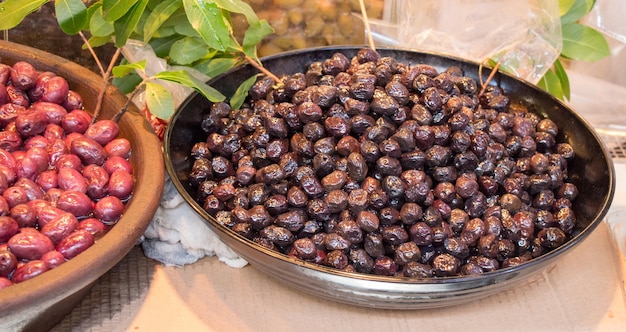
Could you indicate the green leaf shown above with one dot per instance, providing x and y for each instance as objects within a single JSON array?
[
  {"x": 550, "y": 83},
  {"x": 561, "y": 74},
  {"x": 13, "y": 12},
  {"x": 184, "y": 28},
  {"x": 577, "y": 9},
  {"x": 115, "y": 9},
  {"x": 96, "y": 41},
  {"x": 71, "y": 15},
  {"x": 159, "y": 101},
  {"x": 160, "y": 14},
  {"x": 128, "y": 83},
  {"x": 126, "y": 24},
  {"x": 241, "y": 7},
  {"x": 208, "y": 20},
  {"x": 162, "y": 46},
  {"x": 184, "y": 78},
  {"x": 187, "y": 50},
  {"x": 215, "y": 66},
  {"x": 242, "y": 92},
  {"x": 165, "y": 31},
  {"x": 127, "y": 68},
  {"x": 256, "y": 33},
  {"x": 583, "y": 43},
  {"x": 98, "y": 26}
]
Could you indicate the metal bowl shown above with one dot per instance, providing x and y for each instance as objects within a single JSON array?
[
  {"x": 592, "y": 171},
  {"x": 40, "y": 303}
]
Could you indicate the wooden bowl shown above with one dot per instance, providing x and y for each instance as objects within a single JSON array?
[{"x": 41, "y": 302}]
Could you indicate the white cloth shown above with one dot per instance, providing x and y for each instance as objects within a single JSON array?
[{"x": 178, "y": 236}]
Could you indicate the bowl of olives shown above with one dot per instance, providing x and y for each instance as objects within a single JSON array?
[
  {"x": 77, "y": 192},
  {"x": 390, "y": 178}
]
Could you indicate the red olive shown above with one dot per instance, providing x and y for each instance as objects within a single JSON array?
[
  {"x": 29, "y": 270},
  {"x": 75, "y": 243},
  {"x": 60, "y": 227},
  {"x": 109, "y": 209},
  {"x": 29, "y": 244}
]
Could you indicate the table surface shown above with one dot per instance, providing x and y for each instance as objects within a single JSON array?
[{"x": 582, "y": 292}]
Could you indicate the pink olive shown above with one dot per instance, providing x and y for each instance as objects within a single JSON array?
[
  {"x": 53, "y": 259},
  {"x": 10, "y": 140},
  {"x": 103, "y": 131},
  {"x": 35, "y": 93},
  {"x": 88, "y": 150},
  {"x": 47, "y": 213},
  {"x": 15, "y": 195},
  {"x": 23, "y": 75},
  {"x": 53, "y": 131},
  {"x": 116, "y": 163},
  {"x": 24, "y": 215},
  {"x": 54, "y": 112},
  {"x": 8, "y": 228},
  {"x": 56, "y": 149},
  {"x": 29, "y": 244},
  {"x": 73, "y": 101},
  {"x": 9, "y": 111},
  {"x": 118, "y": 147},
  {"x": 4, "y": 207},
  {"x": 27, "y": 168},
  {"x": 60, "y": 227},
  {"x": 17, "y": 96},
  {"x": 120, "y": 184},
  {"x": 47, "y": 180},
  {"x": 31, "y": 123},
  {"x": 9, "y": 173},
  {"x": 71, "y": 179},
  {"x": 76, "y": 121},
  {"x": 40, "y": 156},
  {"x": 69, "y": 161},
  {"x": 29, "y": 270},
  {"x": 37, "y": 141},
  {"x": 76, "y": 203},
  {"x": 37, "y": 204},
  {"x": 109, "y": 209},
  {"x": 55, "y": 90},
  {"x": 97, "y": 180},
  {"x": 33, "y": 191},
  {"x": 75, "y": 243},
  {"x": 8, "y": 263},
  {"x": 93, "y": 225}
]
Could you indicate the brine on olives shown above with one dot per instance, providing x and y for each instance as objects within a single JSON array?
[
  {"x": 371, "y": 165},
  {"x": 64, "y": 178}
]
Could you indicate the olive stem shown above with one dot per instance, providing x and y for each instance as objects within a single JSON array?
[
  {"x": 106, "y": 76},
  {"x": 93, "y": 53},
  {"x": 263, "y": 69},
  {"x": 124, "y": 108},
  {"x": 367, "y": 25},
  {"x": 489, "y": 78}
]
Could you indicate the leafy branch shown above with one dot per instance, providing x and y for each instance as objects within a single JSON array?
[
  {"x": 580, "y": 42},
  {"x": 195, "y": 34}
]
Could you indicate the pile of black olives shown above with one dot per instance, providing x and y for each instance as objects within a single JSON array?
[{"x": 374, "y": 166}]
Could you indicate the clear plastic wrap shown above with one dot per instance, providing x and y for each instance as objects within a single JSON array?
[{"x": 523, "y": 36}]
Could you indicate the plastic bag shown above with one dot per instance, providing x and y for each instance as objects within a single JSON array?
[{"x": 524, "y": 36}]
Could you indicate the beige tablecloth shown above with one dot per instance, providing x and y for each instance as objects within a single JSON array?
[{"x": 583, "y": 292}]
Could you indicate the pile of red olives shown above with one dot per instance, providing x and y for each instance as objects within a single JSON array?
[
  {"x": 64, "y": 179},
  {"x": 370, "y": 165}
]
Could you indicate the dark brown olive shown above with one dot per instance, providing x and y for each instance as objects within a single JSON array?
[{"x": 446, "y": 265}]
